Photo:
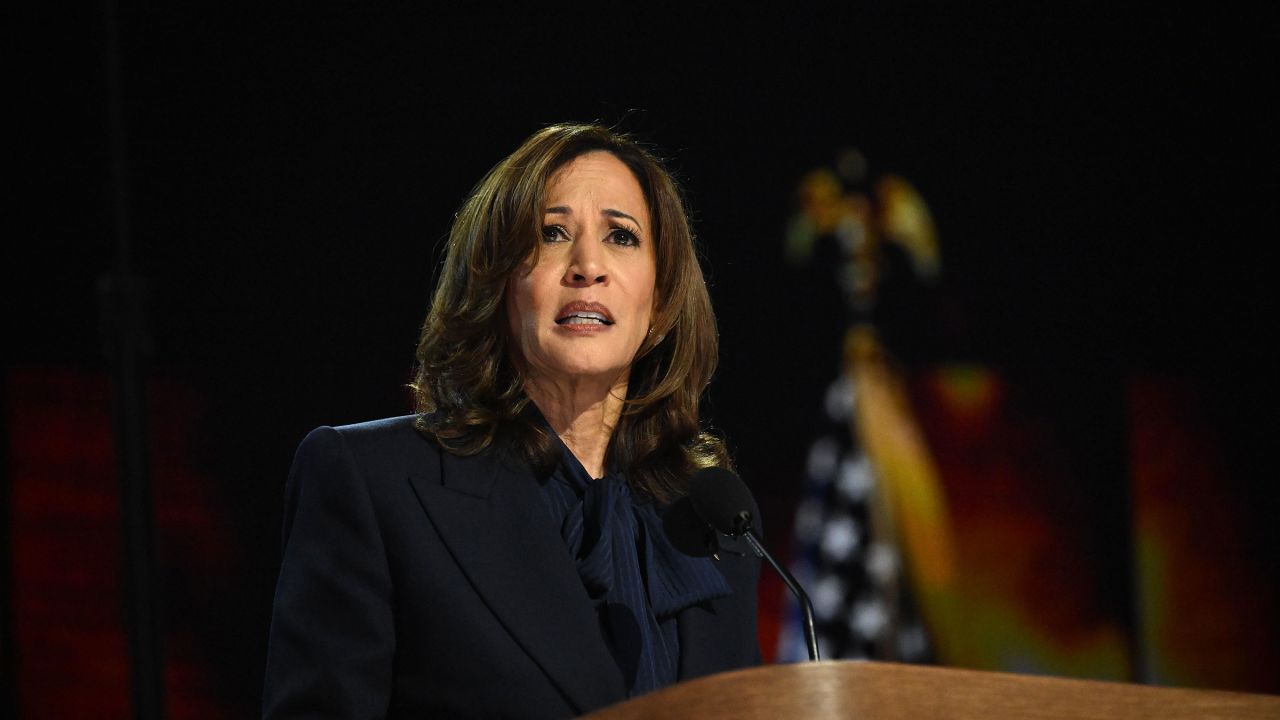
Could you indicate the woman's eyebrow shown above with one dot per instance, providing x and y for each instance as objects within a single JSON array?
[
  {"x": 610, "y": 212},
  {"x": 619, "y": 214}
]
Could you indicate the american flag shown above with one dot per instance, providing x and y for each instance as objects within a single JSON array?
[
  {"x": 848, "y": 548},
  {"x": 861, "y": 601}
]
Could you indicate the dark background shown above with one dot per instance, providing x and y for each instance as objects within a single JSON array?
[{"x": 1103, "y": 180}]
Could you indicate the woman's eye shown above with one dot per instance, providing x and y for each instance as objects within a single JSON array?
[
  {"x": 553, "y": 233},
  {"x": 623, "y": 237}
]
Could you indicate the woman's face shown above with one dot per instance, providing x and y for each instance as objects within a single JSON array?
[{"x": 583, "y": 309}]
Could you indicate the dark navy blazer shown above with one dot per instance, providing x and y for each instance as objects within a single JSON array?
[{"x": 417, "y": 583}]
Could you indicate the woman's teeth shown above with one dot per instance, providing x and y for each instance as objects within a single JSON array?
[{"x": 583, "y": 319}]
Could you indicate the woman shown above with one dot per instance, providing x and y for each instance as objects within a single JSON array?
[{"x": 502, "y": 553}]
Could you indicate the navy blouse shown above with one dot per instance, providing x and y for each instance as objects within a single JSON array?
[{"x": 636, "y": 578}]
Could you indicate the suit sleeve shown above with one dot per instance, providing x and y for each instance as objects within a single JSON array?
[
  {"x": 749, "y": 591},
  {"x": 332, "y": 631},
  {"x": 756, "y": 657}
]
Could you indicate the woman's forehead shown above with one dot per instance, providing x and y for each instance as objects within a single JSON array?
[{"x": 597, "y": 170}]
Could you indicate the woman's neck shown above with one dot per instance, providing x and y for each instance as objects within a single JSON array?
[{"x": 583, "y": 413}]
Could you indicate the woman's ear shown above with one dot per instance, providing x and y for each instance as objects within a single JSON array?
[{"x": 657, "y": 323}]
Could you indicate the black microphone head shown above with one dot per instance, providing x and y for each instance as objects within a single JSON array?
[
  {"x": 722, "y": 500},
  {"x": 688, "y": 532}
]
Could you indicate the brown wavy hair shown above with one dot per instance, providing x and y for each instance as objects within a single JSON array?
[{"x": 467, "y": 389}]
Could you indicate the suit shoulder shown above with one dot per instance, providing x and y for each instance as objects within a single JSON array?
[
  {"x": 378, "y": 443},
  {"x": 375, "y": 431},
  {"x": 394, "y": 429}
]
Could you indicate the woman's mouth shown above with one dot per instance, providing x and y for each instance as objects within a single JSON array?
[
  {"x": 584, "y": 318},
  {"x": 584, "y": 313}
]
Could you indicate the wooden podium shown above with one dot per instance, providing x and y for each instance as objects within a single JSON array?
[{"x": 889, "y": 691}]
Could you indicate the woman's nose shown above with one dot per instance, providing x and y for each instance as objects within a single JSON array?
[{"x": 586, "y": 265}]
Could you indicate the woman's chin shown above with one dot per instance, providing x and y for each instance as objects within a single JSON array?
[{"x": 580, "y": 371}]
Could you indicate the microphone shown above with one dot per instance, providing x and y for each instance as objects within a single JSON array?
[{"x": 723, "y": 501}]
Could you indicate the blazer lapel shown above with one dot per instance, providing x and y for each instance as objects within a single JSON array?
[{"x": 492, "y": 520}]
